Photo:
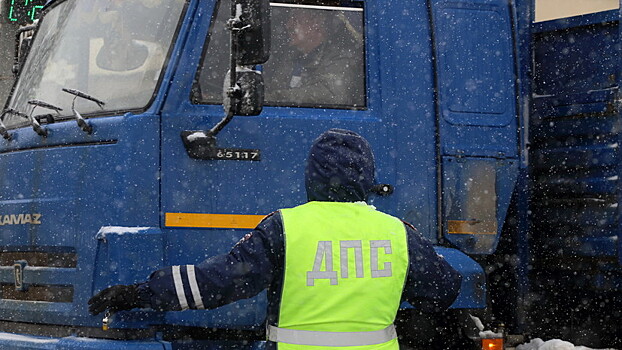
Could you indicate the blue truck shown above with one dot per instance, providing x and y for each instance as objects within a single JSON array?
[{"x": 497, "y": 137}]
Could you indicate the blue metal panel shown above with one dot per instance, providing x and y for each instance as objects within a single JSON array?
[
  {"x": 577, "y": 59},
  {"x": 523, "y": 16},
  {"x": 475, "y": 64},
  {"x": 476, "y": 196},
  {"x": 475, "y": 77},
  {"x": 127, "y": 255},
  {"x": 476, "y": 105},
  {"x": 576, "y": 154},
  {"x": 78, "y": 183},
  {"x": 401, "y": 94},
  {"x": 473, "y": 288},
  {"x": 219, "y": 345}
]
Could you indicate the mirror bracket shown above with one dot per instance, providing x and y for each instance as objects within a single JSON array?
[
  {"x": 202, "y": 145},
  {"x": 243, "y": 92}
]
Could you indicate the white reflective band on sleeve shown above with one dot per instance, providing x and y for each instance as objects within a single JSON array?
[
  {"x": 298, "y": 337},
  {"x": 194, "y": 286},
  {"x": 179, "y": 288}
]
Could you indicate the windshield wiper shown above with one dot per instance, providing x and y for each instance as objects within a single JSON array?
[
  {"x": 34, "y": 122},
  {"x": 43, "y": 104},
  {"x": 82, "y": 123}
]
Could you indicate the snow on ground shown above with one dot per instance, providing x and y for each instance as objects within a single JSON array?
[
  {"x": 554, "y": 344},
  {"x": 534, "y": 344}
]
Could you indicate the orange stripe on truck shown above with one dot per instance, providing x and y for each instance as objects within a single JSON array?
[
  {"x": 211, "y": 220},
  {"x": 471, "y": 227}
]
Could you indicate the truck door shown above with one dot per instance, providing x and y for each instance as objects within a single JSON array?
[
  {"x": 208, "y": 205},
  {"x": 476, "y": 118}
]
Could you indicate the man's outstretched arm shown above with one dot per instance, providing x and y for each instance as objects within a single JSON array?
[{"x": 242, "y": 273}]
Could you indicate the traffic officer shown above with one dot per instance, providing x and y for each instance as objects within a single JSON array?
[{"x": 335, "y": 268}]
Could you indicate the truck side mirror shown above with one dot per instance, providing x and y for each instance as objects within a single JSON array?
[
  {"x": 23, "y": 39},
  {"x": 248, "y": 93},
  {"x": 254, "y": 35},
  {"x": 243, "y": 92}
]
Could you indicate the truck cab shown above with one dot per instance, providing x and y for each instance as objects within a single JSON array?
[{"x": 105, "y": 178}]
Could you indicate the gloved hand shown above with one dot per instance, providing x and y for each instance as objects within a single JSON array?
[{"x": 115, "y": 298}]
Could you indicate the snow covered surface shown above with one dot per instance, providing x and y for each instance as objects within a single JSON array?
[
  {"x": 196, "y": 135},
  {"x": 118, "y": 230},
  {"x": 490, "y": 335},
  {"x": 534, "y": 344},
  {"x": 554, "y": 344},
  {"x": 17, "y": 338}
]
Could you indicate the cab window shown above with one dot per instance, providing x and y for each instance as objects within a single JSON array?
[{"x": 317, "y": 58}]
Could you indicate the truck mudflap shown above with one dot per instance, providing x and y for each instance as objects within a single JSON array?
[{"x": 22, "y": 341}]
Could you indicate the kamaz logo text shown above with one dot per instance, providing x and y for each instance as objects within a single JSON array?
[{"x": 20, "y": 219}]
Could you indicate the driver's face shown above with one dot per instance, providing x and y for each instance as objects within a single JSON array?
[{"x": 302, "y": 27}]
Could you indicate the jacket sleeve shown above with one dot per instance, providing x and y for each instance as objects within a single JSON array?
[
  {"x": 432, "y": 284},
  {"x": 242, "y": 273}
]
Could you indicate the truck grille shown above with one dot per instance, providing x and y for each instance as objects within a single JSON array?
[
  {"x": 47, "y": 259},
  {"x": 47, "y": 275},
  {"x": 49, "y": 293}
]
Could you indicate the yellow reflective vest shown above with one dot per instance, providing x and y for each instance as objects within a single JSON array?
[{"x": 345, "y": 269}]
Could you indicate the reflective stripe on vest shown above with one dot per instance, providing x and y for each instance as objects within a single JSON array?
[
  {"x": 312, "y": 338},
  {"x": 345, "y": 269}
]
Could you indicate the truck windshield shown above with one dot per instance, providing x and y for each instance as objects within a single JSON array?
[{"x": 113, "y": 50}]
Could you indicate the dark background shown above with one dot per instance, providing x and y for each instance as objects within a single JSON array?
[{"x": 7, "y": 49}]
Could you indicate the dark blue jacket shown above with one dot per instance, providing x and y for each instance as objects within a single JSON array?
[{"x": 340, "y": 167}]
